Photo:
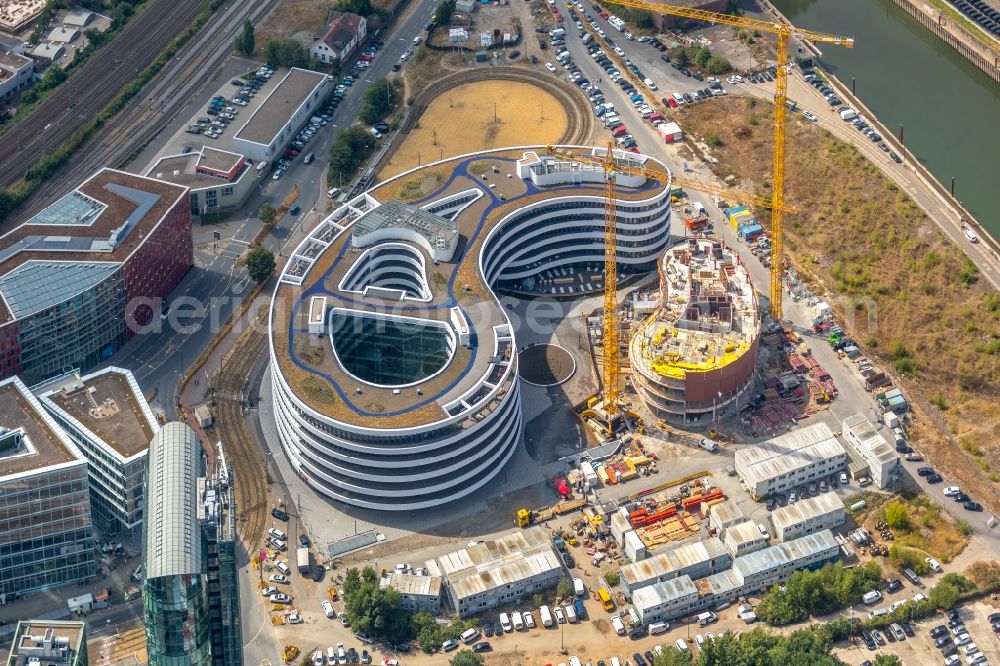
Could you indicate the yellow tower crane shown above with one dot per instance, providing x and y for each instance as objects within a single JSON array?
[
  {"x": 782, "y": 31},
  {"x": 651, "y": 170}
]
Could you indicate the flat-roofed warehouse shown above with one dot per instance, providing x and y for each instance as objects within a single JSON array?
[
  {"x": 789, "y": 460},
  {"x": 493, "y": 573},
  {"x": 870, "y": 446},
  {"x": 417, "y": 593},
  {"x": 823, "y": 512},
  {"x": 288, "y": 107},
  {"x": 696, "y": 559}
]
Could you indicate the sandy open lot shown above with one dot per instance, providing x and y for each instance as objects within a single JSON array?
[{"x": 462, "y": 121}]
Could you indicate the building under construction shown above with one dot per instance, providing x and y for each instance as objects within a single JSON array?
[{"x": 695, "y": 354}]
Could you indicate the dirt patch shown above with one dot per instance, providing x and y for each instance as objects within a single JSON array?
[
  {"x": 545, "y": 365},
  {"x": 419, "y": 187},
  {"x": 904, "y": 292},
  {"x": 928, "y": 529},
  {"x": 317, "y": 390},
  {"x": 478, "y": 116},
  {"x": 295, "y": 16}
]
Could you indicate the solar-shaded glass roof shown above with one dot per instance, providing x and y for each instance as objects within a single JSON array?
[
  {"x": 36, "y": 285},
  {"x": 173, "y": 542},
  {"x": 75, "y": 209}
]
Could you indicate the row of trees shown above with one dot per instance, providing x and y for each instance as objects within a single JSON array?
[
  {"x": 349, "y": 151},
  {"x": 760, "y": 647},
  {"x": 380, "y": 99},
  {"x": 817, "y": 593},
  {"x": 703, "y": 57}
]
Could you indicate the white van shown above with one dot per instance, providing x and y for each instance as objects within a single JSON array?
[
  {"x": 417, "y": 40},
  {"x": 706, "y": 618},
  {"x": 699, "y": 208},
  {"x": 649, "y": 84},
  {"x": 517, "y": 620},
  {"x": 469, "y": 636},
  {"x": 848, "y": 114},
  {"x": 619, "y": 626},
  {"x": 546, "y": 616},
  {"x": 578, "y": 587},
  {"x": 282, "y": 566},
  {"x": 872, "y": 597},
  {"x": 570, "y": 613},
  {"x": 971, "y": 235},
  {"x": 681, "y": 645},
  {"x": 333, "y": 192},
  {"x": 615, "y": 662},
  {"x": 505, "y": 622},
  {"x": 657, "y": 628}
]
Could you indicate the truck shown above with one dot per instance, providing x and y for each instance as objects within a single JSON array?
[
  {"x": 302, "y": 554},
  {"x": 606, "y": 600},
  {"x": 526, "y": 517}
]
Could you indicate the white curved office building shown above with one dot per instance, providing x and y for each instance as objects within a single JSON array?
[{"x": 394, "y": 366}]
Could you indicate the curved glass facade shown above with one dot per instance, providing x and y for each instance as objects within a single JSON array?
[{"x": 177, "y": 620}]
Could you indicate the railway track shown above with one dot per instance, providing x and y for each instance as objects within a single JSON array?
[
  {"x": 96, "y": 83},
  {"x": 249, "y": 467},
  {"x": 161, "y": 100}
]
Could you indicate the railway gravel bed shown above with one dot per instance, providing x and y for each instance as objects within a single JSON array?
[
  {"x": 88, "y": 90},
  {"x": 249, "y": 467}
]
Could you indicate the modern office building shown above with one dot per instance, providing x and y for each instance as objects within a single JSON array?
[
  {"x": 380, "y": 408},
  {"x": 16, "y": 72},
  {"x": 217, "y": 518},
  {"x": 49, "y": 643},
  {"x": 494, "y": 573},
  {"x": 108, "y": 418},
  {"x": 175, "y": 584},
  {"x": 417, "y": 593},
  {"x": 787, "y": 461},
  {"x": 46, "y": 532},
  {"x": 269, "y": 129},
  {"x": 868, "y": 444},
  {"x": 189, "y": 590},
  {"x": 697, "y": 353},
  {"x": 85, "y": 274},
  {"x": 216, "y": 179},
  {"x": 822, "y": 512}
]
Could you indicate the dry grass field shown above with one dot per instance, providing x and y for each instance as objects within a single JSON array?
[
  {"x": 861, "y": 239},
  {"x": 295, "y": 16},
  {"x": 462, "y": 121}
]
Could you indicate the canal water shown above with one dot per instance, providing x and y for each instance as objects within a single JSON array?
[{"x": 949, "y": 108}]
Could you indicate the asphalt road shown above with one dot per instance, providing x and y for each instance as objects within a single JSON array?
[{"x": 206, "y": 297}]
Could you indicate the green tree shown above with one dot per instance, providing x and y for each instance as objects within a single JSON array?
[
  {"x": 887, "y": 660},
  {"x": 612, "y": 578},
  {"x": 683, "y": 59},
  {"x": 896, "y": 516},
  {"x": 564, "y": 588},
  {"x": 427, "y": 632},
  {"x": 466, "y": 658},
  {"x": 286, "y": 52},
  {"x": 718, "y": 65},
  {"x": 380, "y": 99},
  {"x": 259, "y": 263},
  {"x": 360, "y": 7},
  {"x": 376, "y": 611},
  {"x": 673, "y": 657},
  {"x": 702, "y": 55},
  {"x": 267, "y": 214},
  {"x": 245, "y": 41},
  {"x": 442, "y": 15}
]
